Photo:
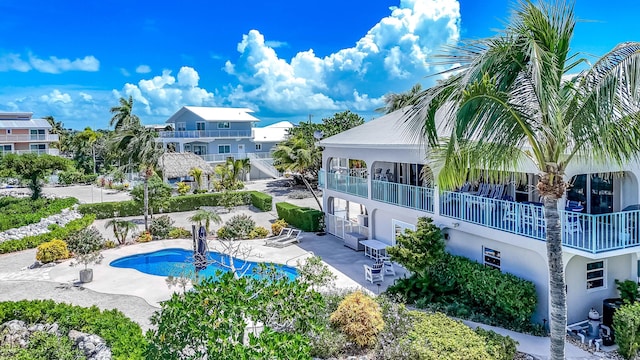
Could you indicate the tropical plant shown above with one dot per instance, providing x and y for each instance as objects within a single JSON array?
[
  {"x": 513, "y": 92},
  {"x": 230, "y": 172},
  {"x": 315, "y": 273},
  {"x": 53, "y": 250},
  {"x": 153, "y": 193},
  {"x": 121, "y": 229},
  {"x": 418, "y": 250},
  {"x": 359, "y": 317},
  {"x": 33, "y": 168},
  {"x": 629, "y": 290},
  {"x": 205, "y": 217},
  {"x": 626, "y": 322},
  {"x": 182, "y": 187},
  {"x": 197, "y": 173},
  {"x": 161, "y": 226},
  {"x": 123, "y": 115},
  {"x": 236, "y": 228},
  {"x": 297, "y": 156},
  {"x": 86, "y": 245},
  {"x": 397, "y": 101}
]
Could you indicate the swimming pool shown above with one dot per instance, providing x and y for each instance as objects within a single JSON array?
[{"x": 179, "y": 262}]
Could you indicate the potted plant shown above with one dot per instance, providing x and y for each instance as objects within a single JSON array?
[{"x": 86, "y": 246}]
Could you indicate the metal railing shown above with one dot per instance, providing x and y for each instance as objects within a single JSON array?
[
  {"x": 409, "y": 196},
  {"x": 39, "y": 151},
  {"x": 339, "y": 226},
  {"x": 223, "y": 157},
  {"x": 28, "y": 137},
  {"x": 353, "y": 185},
  {"x": 206, "y": 134},
  {"x": 265, "y": 164}
]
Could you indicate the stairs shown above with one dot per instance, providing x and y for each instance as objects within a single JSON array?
[{"x": 265, "y": 165}]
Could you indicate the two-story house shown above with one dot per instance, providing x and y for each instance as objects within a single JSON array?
[
  {"x": 20, "y": 133},
  {"x": 377, "y": 170},
  {"x": 217, "y": 133}
]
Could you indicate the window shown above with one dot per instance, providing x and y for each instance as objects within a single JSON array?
[
  {"x": 8, "y": 131},
  {"x": 224, "y": 149},
  {"x": 199, "y": 149},
  {"x": 5, "y": 148},
  {"x": 224, "y": 125},
  {"x": 181, "y": 126},
  {"x": 491, "y": 257},
  {"x": 399, "y": 228},
  {"x": 200, "y": 125},
  {"x": 258, "y": 147},
  {"x": 595, "y": 275},
  {"x": 37, "y": 134},
  {"x": 38, "y": 148}
]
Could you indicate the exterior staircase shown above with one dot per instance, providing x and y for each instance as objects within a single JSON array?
[{"x": 264, "y": 164}]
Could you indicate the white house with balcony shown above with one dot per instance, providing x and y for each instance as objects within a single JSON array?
[
  {"x": 379, "y": 168},
  {"x": 21, "y": 133},
  {"x": 218, "y": 133}
]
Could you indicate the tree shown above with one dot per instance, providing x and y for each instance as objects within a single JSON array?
[
  {"x": 207, "y": 217},
  {"x": 510, "y": 97},
  {"x": 230, "y": 172},
  {"x": 152, "y": 194},
  {"x": 33, "y": 168},
  {"x": 297, "y": 156},
  {"x": 196, "y": 172},
  {"x": 84, "y": 151},
  {"x": 397, "y": 101},
  {"x": 418, "y": 250},
  {"x": 121, "y": 229},
  {"x": 123, "y": 116}
]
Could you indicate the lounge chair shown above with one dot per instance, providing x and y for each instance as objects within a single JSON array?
[
  {"x": 373, "y": 273},
  {"x": 284, "y": 234},
  {"x": 293, "y": 237}
]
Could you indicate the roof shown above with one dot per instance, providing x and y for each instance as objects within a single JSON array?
[
  {"x": 217, "y": 114},
  {"x": 175, "y": 165},
  {"x": 390, "y": 131},
  {"x": 24, "y": 124},
  {"x": 272, "y": 133}
]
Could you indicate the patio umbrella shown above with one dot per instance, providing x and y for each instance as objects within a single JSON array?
[{"x": 200, "y": 255}]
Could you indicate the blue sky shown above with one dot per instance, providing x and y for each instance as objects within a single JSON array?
[{"x": 284, "y": 59}]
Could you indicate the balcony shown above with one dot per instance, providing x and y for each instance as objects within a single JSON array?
[
  {"x": 223, "y": 157},
  {"x": 587, "y": 232},
  {"x": 204, "y": 134},
  {"x": 408, "y": 196},
  {"x": 28, "y": 137},
  {"x": 322, "y": 175},
  {"x": 50, "y": 151},
  {"x": 348, "y": 184}
]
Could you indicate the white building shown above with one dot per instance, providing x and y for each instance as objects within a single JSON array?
[{"x": 378, "y": 165}]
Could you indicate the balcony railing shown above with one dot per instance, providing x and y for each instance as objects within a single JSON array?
[
  {"x": 223, "y": 157},
  {"x": 587, "y": 232},
  {"x": 39, "y": 151},
  {"x": 206, "y": 134},
  {"x": 340, "y": 226},
  {"x": 28, "y": 137},
  {"x": 322, "y": 175},
  {"x": 353, "y": 185},
  {"x": 409, "y": 196}
]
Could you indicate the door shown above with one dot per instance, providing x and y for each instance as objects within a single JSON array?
[{"x": 240, "y": 151}]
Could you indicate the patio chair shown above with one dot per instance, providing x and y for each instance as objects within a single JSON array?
[
  {"x": 293, "y": 237},
  {"x": 373, "y": 273},
  {"x": 387, "y": 265},
  {"x": 284, "y": 234}
]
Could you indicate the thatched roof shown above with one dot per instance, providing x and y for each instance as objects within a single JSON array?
[{"x": 176, "y": 165}]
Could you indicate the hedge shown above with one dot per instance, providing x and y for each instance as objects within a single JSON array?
[
  {"x": 626, "y": 326},
  {"x": 303, "y": 218},
  {"x": 262, "y": 201},
  {"x": 30, "y": 242},
  {"x": 122, "y": 335}
]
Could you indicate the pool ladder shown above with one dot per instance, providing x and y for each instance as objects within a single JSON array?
[{"x": 295, "y": 257}]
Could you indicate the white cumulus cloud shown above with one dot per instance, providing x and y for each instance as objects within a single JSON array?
[
  {"x": 51, "y": 65},
  {"x": 56, "y": 96},
  {"x": 143, "y": 69},
  {"x": 391, "y": 57}
]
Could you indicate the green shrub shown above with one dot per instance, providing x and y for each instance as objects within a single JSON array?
[
  {"x": 122, "y": 335},
  {"x": 392, "y": 341},
  {"x": 17, "y": 212},
  {"x": 435, "y": 336},
  {"x": 359, "y": 317},
  {"x": 238, "y": 227},
  {"x": 182, "y": 188},
  {"x": 499, "y": 347},
  {"x": 30, "y": 242},
  {"x": 327, "y": 344},
  {"x": 305, "y": 219},
  {"x": 161, "y": 226},
  {"x": 626, "y": 324},
  {"x": 43, "y": 345},
  {"x": 179, "y": 233},
  {"x": 258, "y": 232},
  {"x": 629, "y": 291},
  {"x": 51, "y": 251},
  {"x": 262, "y": 201},
  {"x": 85, "y": 241}
]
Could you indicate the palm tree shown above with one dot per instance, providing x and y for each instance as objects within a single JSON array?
[
  {"x": 395, "y": 101},
  {"x": 509, "y": 98},
  {"x": 123, "y": 115},
  {"x": 206, "y": 217},
  {"x": 297, "y": 156},
  {"x": 241, "y": 168},
  {"x": 121, "y": 229},
  {"x": 196, "y": 172}
]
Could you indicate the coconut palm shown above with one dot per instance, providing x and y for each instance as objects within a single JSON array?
[
  {"x": 396, "y": 101},
  {"x": 297, "y": 156},
  {"x": 123, "y": 115},
  {"x": 121, "y": 229},
  {"x": 196, "y": 172},
  {"x": 207, "y": 217},
  {"x": 509, "y": 98}
]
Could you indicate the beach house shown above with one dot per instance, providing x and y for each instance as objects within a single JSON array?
[{"x": 21, "y": 133}]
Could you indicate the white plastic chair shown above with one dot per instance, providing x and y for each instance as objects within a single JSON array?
[
  {"x": 387, "y": 265},
  {"x": 373, "y": 274}
]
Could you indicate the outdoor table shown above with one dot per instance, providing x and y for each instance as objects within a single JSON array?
[{"x": 374, "y": 248}]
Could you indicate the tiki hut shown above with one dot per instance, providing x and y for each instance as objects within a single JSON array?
[{"x": 178, "y": 165}]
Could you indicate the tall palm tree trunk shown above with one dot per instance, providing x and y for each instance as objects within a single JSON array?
[
  {"x": 306, "y": 183},
  {"x": 557, "y": 289},
  {"x": 146, "y": 203}
]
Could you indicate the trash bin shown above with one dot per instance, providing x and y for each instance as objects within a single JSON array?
[{"x": 609, "y": 307}]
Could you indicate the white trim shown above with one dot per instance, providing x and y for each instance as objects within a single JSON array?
[
  {"x": 604, "y": 276},
  {"x": 395, "y": 224},
  {"x": 198, "y": 123}
]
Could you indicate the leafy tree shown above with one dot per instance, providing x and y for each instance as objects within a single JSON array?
[
  {"x": 315, "y": 273},
  {"x": 214, "y": 321},
  {"x": 397, "y": 101},
  {"x": 33, "y": 168},
  {"x": 152, "y": 194},
  {"x": 513, "y": 92},
  {"x": 205, "y": 217},
  {"x": 420, "y": 249},
  {"x": 121, "y": 229},
  {"x": 83, "y": 145},
  {"x": 123, "y": 116},
  {"x": 297, "y": 156},
  {"x": 196, "y": 172}
]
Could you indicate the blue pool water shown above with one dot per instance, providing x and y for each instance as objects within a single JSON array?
[{"x": 179, "y": 262}]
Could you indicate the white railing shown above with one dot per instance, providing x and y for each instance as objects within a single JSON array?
[
  {"x": 28, "y": 137},
  {"x": 49, "y": 151},
  {"x": 339, "y": 226},
  {"x": 265, "y": 164},
  {"x": 223, "y": 157},
  {"x": 206, "y": 134},
  {"x": 409, "y": 196},
  {"x": 353, "y": 185}
]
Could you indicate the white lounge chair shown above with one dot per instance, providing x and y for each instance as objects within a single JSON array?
[
  {"x": 284, "y": 234},
  {"x": 293, "y": 237},
  {"x": 373, "y": 273}
]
